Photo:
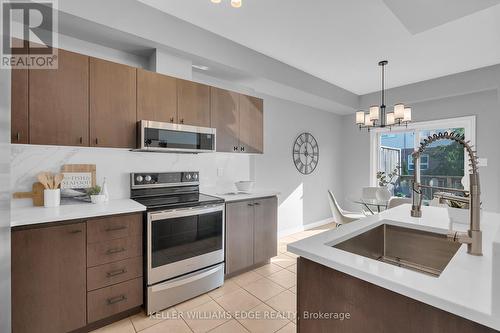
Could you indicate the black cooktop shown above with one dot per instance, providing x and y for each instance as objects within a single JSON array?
[{"x": 178, "y": 200}]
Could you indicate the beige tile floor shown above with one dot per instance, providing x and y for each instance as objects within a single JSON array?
[{"x": 267, "y": 293}]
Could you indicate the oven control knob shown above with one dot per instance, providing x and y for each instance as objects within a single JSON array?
[
  {"x": 139, "y": 179},
  {"x": 188, "y": 176},
  {"x": 195, "y": 176},
  {"x": 147, "y": 178}
]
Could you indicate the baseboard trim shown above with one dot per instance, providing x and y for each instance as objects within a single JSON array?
[{"x": 291, "y": 231}]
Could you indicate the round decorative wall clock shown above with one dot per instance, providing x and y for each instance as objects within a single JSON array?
[{"x": 305, "y": 153}]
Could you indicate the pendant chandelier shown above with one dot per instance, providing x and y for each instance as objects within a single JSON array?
[
  {"x": 234, "y": 3},
  {"x": 378, "y": 115}
]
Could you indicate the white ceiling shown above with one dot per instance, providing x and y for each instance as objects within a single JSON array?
[{"x": 342, "y": 41}]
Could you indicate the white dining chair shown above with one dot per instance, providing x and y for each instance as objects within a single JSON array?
[
  {"x": 397, "y": 201},
  {"x": 341, "y": 216}
]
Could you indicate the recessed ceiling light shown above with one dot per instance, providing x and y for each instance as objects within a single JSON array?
[
  {"x": 236, "y": 3},
  {"x": 216, "y": 1},
  {"x": 200, "y": 67}
]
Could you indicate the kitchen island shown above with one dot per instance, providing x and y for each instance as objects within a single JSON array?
[{"x": 347, "y": 292}]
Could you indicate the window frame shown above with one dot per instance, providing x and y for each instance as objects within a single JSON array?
[{"x": 468, "y": 123}]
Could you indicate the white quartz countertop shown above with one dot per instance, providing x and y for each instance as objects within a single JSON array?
[
  {"x": 34, "y": 215},
  {"x": 229, "y": 196},
  {"x": 468, "y": 287}
]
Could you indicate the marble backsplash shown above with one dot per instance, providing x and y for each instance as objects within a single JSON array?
[{"x": 217, "y": 170}]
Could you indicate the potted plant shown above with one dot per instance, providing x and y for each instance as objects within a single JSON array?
[
  {"x": 384, "y": 181},
  {"x": 95, "y": 194}
]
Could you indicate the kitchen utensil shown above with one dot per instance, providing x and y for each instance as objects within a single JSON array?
[
  {"x": 42, "y": 178},
  {"x": 52, "y": 197},
  {"x": 244, "y": 186},
  {"x": 58, "y": 180},
  {"x": 36, "y": 194}
]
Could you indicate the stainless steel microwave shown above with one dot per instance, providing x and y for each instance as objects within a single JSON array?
[{"x": 176, "y": 138}]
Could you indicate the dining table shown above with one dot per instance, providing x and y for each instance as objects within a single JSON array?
[{"x": 372, "y": 205}]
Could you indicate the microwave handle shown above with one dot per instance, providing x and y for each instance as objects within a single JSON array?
[
  {"x": 166, "y": 214},
  {"x": 186, "y": 280}
]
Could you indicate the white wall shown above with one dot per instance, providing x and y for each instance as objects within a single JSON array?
[
  {"x": 464, "y": 94},
  {"x": 303, "y": 198}
]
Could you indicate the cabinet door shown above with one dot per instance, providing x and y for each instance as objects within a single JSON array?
[
  {"x": 265, "y": 229},
  {"x": 193, "y": 103},
  {"x": 251, "y": 124},
  {"x": 19, "y": 106},
  {"x": 58, "y": 102},
  {"x": 156, "y": 97},
  {"x": 225, "y": 118},
  {"x": 239, "y": 235},
  {"x": 112, "y": 104},
  {"x": 48, "y": 279}
]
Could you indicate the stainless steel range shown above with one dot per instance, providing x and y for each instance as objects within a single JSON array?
[{"x": 184, "y": 230}]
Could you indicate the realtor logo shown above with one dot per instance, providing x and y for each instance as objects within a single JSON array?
[{"x": 29, "y": 36}]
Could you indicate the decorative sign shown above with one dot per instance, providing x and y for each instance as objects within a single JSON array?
[{"x": 76, "y": 180}]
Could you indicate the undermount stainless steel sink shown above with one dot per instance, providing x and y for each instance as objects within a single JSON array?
[{"x": 421, "y": 251}]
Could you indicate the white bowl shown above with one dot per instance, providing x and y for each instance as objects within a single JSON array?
[{"x": 244, "y": 186}]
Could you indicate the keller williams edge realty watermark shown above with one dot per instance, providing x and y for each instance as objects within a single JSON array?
[{"x": 29, "y": 34}]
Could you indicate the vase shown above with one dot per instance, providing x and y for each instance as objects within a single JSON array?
[{"x": 383, "y": 194}]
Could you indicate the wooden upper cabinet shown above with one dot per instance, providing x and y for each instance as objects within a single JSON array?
[
  {"x": 19, "y": 106},
  {"x": 112, "y": 104},
  {"x": 49, "y": 279},
  {"x": 58, "y": 102},
  {"x": 251, "y": 124},
  {"x": 225, "y": 118},
  {"x": 156, "y": 97},
  {"x": 193, "y": 103}
]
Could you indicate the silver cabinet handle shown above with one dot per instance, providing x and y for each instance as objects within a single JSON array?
[
  {"x": 117, "y": 272},
  {"x": 18, "y": 136},
  {"x": 242, "y": 148},
  {"x": 114, "y": 300},
  {"x": 257, "y": 204},
  {"x": 75, "y": 231},
  {"x": 117, "y": 250},
  {"x": 250, "y": 204},
  {"x": 121, "y": 227}
]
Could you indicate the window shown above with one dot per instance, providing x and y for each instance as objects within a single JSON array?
[
  {"x": 424, "y": 162},
  {"x": 442, "y": 164}
]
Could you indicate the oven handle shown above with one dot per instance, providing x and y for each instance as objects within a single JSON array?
[
  {"x": 167, "y": 214},
  {"x": 186, "y": 280}
]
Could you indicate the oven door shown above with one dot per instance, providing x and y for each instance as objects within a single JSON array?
[
  {"x": 184, "y": 240},
  {"x": 167, "y": 137}
]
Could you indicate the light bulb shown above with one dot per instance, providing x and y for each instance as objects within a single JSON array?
[
  {"x": 368, "y": 122},
  {"x": 389, "y": 118},
  {"x": 216, "y": 1},
  {"x": 374, "y": 113},
  {"x": 407, "y": 114},
  {"x": 236, "y": 3},
  {"x": 399, "y": 111},
  {"x": 360, "y": 117}
]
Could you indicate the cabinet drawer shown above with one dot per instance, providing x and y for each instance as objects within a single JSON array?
[
  {"x": 116, "y": 272},
  {"x": 113, "y": 250},
  {"x": 114, "y": 227},
  {"x": 105, "y": 302}
]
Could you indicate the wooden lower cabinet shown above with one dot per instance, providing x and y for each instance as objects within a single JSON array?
[
  {"x": 251, "y": 233},
  {"x": 70, "y": 276},
  {"x": 265, "y": 233},
  {"x": 49, "y": 279},
  {"x": 239, "y": 235},
  {"x": 371, "y": 308},
  {"x": 114, "y": 299}
]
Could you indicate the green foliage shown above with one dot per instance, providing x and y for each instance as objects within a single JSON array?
[
  {"x": 96, "y": 190},
  {"x": 386, "y": 179}
]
